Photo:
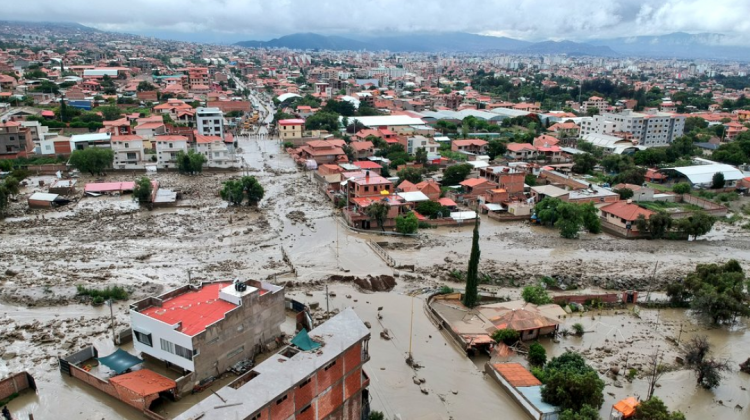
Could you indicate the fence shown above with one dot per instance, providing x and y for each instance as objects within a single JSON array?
[
  {"x": 16, "y": 383},
  {"x": 709, "y": 207},
  {"x": 382, "y": 253}
]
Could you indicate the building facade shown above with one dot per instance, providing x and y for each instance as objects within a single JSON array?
[
  {"x": 210, "y": 122},
  {"x": 128, "y": 151},
  {"x": 651, "y": 129},
  {"x": 326, "y": 383},
  {"x": 208, "y": 328}
]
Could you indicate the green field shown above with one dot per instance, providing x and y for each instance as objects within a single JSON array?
[{"x": 667, "y": 206}]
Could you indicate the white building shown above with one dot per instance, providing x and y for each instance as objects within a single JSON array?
[
  {"x": 216, "y": 152},
  {"x": 210, "y": 122},
  {"x": 82, "y": 141},
  {"x": 415, "y": 142},
  {"x": 652, "y": 129},
  {"x": 150, "y": 130},
  {"x": 129, "y": 153},
  {"x": 594, "y": 102},
  {"x": 167, "y": 148}
]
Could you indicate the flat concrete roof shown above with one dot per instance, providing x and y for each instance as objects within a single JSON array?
[{"x": 278, "y": 374}]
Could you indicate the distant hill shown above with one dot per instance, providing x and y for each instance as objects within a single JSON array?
[
  {"x": 678, "y": 45},
  {"x": 411, "y": 42},
  {"x": 568, "y": 47}
]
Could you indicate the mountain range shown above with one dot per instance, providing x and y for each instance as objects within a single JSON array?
[{"x": 675, "y": 45}]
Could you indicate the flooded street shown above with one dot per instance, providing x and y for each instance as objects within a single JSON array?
[{"x": 108, "y": 241}]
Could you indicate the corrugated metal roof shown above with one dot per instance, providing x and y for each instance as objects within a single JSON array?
[
  {"x": 533, "y": 394},
  {"x": 703, "y": 174},
  {"x": 43, "y": 197}
]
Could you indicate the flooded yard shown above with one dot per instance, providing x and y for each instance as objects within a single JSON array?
[{"x": 295, "y": 238}]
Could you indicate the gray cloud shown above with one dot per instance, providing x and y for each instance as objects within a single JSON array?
[{"x": 526, "y": 19}]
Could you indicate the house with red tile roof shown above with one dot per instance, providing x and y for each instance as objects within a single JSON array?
[
  {"x": 430, "y": 188},
  {"x": 620, "y": 218},
  {"x": 475, "y": 146},
  {"x": 204, "y": 330},
  {"x": 521, "y": 151}
]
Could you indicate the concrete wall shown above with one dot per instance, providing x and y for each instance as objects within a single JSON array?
[
  {"x": 161, "y": 330},
  {"x": 241, "y": 333}
]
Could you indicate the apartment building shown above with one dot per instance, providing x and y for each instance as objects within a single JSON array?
[
  {"x": 206, "y": 329},
  {"x": 412, "y": 143},
  {"x": 14, "y": 138},
  {"x": 198, "y": 76},
  {"x": 320, "y": 376},
  {"x": 647, "y": 129},
  {"x": 210, "y": 122},
  {"x": 128, "y": 151},
  {"x": 167, "y": 148},
  {"x": 597, "y": 102},
  {"x": 217, "y": 154},
  {"x": 291, "y": 129}
]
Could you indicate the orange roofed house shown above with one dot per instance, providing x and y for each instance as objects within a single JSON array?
[
  {"x": 206, "y": 329},
  {"x": 475, "y": 146},
  {"x": 620, "y": 218},
  {"x": 322, "y": 151}
]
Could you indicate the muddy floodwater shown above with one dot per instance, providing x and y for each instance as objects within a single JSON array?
[{"x": 295, "y": 239}]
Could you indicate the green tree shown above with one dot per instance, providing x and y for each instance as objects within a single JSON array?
[
  {"x": 93, "y": 160},
  {"x": 142, "y": 190},
  {"x": 657, "y": 225},
  {"x": 191, "y": 162},
  {"x": 110, "y": 112},
  {"x": 655, "y": 409},
  {"x": 625, "y": 193},
  {"x": 378, "y": 212},
  {"x": 506, "y": 336},
  {"x": 145, "y": 86},
  {"x": 407, "y": 223},
  {"x": 411, "y": 174},
  {"x": 252, "y": 189},
  {"x": 570, "y": 220},
  {"x": 496, "y": 148},
  {"x": 708, "y": 371},
  {"x": 530, "y": 180},
  {"x": 232, "y": 192},
  {"x": 350, "y": 153},
  {"x": 453, "y": 175},
  {"x": 718, "y": 291},
  {"x": 420, "y": 155},
  {"x": 681, "y": 188},
  {"x": 536, "y": 294},
  {"x": 471, "y": 296},
  {"x": 586, "y": 412},
  {"x": 8, "y": 187},
  {"x": 431, "y": 209},
  {"x": 717, "y": 181},
  {"x": 570, "y": 383},
  {"x": 537, "y": 354},
  {"x": 695, "y": 225},
  {"x": 591, "y": 111},
  {"x": 583, "y": 163},
  {"x": 590, "y": 218},
  {"x": 323, "y": 120}
]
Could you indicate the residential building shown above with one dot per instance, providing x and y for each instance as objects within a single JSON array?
[
  {"x": 128, "y": 151},
  {"x": 217, "y": 154},
  {"x": 206, "y": 329},
  {"x": 119, "y": 127},
  {"x": 210, "y": 122},
  {"x": 621, "y": 217},
  {"x": 365, "y": 184},
  {"x": 564, "y": 130},
  {"x": 509, "y": 179},
  {"x": 320, "y": 376},
  {"x": 291, "y": 129},
  {"x": 597, "y": 102},
  {"x": 15, "y": 139},
  {"x": 362, "y": 149},
  {"x": 82, "y": 141},
  {"x": 430, "y": 188},
  {"x": 150, "y": 130},
  {"x": 474, "y": 146},
  {"x": 647, "y": 129},
  {"x": 321, "y": 151},
  {"x": 167, "y": 148},
  {"x": 412, "y": 143},
  {"x": 198, "y": 77},
  {"x": 521, "y": 151}
]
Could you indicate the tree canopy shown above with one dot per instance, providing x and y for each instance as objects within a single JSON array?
[
  {"x": 569, "y": 218},
  {"x": 378, "y": 212},
  {"x": 655, "y": 409},
  {"x": 190, "y": 162},
  {"x": 471, "y": 295},
  {"x": 407, "y": 223},
  {"x": 238, "y": 190},
  {"x": 571, "y": 384},
  {"x": 93, "y": 160},
  {"x": 536, "y": 294},
  {"x": 142, "y": 190},
  {"x": 453, "y": 175}
]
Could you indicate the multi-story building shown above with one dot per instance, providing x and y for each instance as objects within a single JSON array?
[
  {"x": 217, "y": 154},
  {"x": 474, "y": 146},
  {"x": 210, "y": 122},
  {"x": 198, "y": 76},
  {"x": 14, "y": 139},
  {"x": 207, "y": 329},
  {"x": 128, "y": 150},
  {"x": 412, "y": 143},
  {"x": 167, "y": 148},
  {"x": 597, "y": 102},
  {"x": 318, "y": 377},
  {"x": 82, "y": 141},
  {"x": 291, "y": 129},
  {"x": 648, "y": 129}
]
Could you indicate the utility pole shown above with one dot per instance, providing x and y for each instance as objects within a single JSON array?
[
  {"x": 112, "y": 320},
  {"x": 651, "y": 282},
  {"x": 328, "y": 311}
]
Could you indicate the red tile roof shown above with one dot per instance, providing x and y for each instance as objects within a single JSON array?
[
  {"x": 473, "y": 182},
  {"x": 144, "y": 382},
  {"x": 296, "y": 121},
  {"x": 627, "y": 211},
  {"x": 516, "y": 375},
  {"x": 366, "y": 164},
  {"x": 130, "y": 137}
]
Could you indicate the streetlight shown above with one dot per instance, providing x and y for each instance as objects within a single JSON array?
[{"x": 112, "y": 319}]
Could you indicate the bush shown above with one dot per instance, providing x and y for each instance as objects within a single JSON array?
[
  {"x": 537, "y": 354},
  {"x": 407, "y": 224},
  {"x": 625, "y": 193},
  {"x": 536, "y": 295},
  {"x": 507, "y": 336},
  {"x": 681, "y": 188},
  {"x": 110, "y": 292},
  {"x": 578, "y": 329},
  {"x": 444, "y": 290},
  {"x": 376, "y": 415}
]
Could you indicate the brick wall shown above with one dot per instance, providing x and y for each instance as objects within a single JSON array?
[
  {"x": 330, "y": 400},
  {"x": 283, "y": 407},
  {"x": 13, "y": 384}
]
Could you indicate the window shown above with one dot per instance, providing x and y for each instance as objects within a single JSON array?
[
  {"x": 330, "y": 365},
  {"x": 303, "y": 384},
  {"x": 183, "y": 352},
  {"x": 167, "y": 346},
  {"x": 127, "y": 145},
  {"x": 170, "y": 145},
  {"x": 281, "y": 400},
  {"x": 131, "y": 156},
  {"x": 307, "y": 407},
  {"x": 143, "y": 338}
]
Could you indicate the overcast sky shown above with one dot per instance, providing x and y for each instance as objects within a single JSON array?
[{"x": 233, "y": 20}]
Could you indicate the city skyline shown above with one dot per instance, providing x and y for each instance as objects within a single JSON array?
[{"x": 232, "y": 21}]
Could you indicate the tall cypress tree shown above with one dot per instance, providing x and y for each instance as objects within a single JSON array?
[{"x": 472, "y": 275}]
